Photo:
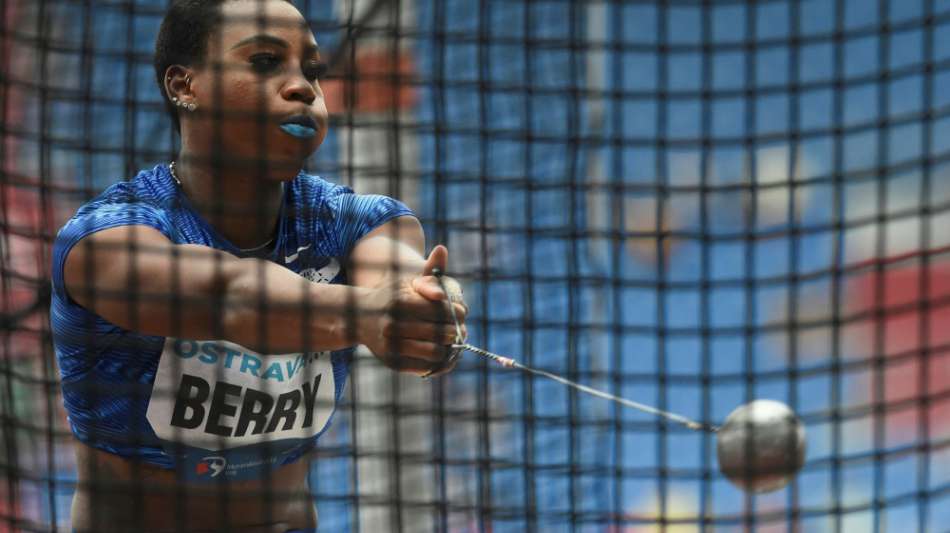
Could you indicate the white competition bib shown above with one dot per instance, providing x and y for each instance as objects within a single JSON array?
[{"x": 218, "y": 395}]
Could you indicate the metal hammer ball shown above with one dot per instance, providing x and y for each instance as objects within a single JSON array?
[{"x": 761, "y": 446}]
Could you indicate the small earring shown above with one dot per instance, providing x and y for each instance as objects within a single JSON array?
[{"x": 187, "y": 106}]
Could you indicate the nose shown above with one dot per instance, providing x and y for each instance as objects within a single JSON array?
[{"x": 299, "y": 89}]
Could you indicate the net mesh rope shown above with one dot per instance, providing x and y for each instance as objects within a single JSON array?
[{"x": 688, "y": 204}]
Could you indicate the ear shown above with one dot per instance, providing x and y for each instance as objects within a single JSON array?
[{"x": 178, "y": 84}]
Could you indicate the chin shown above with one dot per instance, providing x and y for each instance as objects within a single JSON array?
[
  {"x": 285, "y": 166},
  {"x": 284, "y": 169},
  {"x": 280, "y": 157},
  {"x": 295, "y": 155}
]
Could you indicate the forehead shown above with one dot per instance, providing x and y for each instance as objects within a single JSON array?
[{"x": 241, "y": 19}]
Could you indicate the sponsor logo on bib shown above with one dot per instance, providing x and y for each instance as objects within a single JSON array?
[{"x": 212, "y": 465}]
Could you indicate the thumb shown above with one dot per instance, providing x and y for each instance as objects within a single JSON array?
[
  {"x": 429, "y": 287},
  {"x": 438, "y": 258}
]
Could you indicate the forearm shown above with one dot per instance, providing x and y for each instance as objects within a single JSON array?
[
  {"x": 135, "y": 278},
  {"x": 271, "y": 310}
]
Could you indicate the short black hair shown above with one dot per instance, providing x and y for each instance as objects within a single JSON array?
[{"x": 183, "y": 40}]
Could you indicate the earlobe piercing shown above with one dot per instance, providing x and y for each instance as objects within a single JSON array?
[{"x": 189, "y": 106}]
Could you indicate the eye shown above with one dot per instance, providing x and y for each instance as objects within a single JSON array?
[
  {"x": 314, "y": 70},
  {"x": 264, "y": 63}
]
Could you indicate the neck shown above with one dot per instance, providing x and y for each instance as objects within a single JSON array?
[{"x": 241, "y": 203}]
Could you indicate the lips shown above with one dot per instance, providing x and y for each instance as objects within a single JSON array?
[{"x": 300, "y": 126}]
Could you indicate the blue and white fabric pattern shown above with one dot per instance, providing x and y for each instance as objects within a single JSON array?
[{"x": 208, "y": 408}]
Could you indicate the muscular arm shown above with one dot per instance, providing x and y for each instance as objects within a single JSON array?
[
  {"x": 391, "y": 251},
  {"x": 134, "y": 277}
]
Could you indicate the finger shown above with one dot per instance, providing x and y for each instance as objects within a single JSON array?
[
  {"x": 461, "y": 311},
  {"x": 438, "y": 332},
  {"x": 428, "y": 287},
  {"x": 410, "y": 365},
  {"x": 418, "y": 308},
  {"x": 445, "y": 367},
  {"x": 438, "y": 258},
  {"x": 415, "y": 349},
  {"x": 436, "y": 288},
  {"x": 444, "y": 314}
]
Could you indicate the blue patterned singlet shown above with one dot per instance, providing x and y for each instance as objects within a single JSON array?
[{"x": 208, "y": 408}]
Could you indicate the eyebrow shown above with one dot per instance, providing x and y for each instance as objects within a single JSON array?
[{"x": 263, "y": 38}]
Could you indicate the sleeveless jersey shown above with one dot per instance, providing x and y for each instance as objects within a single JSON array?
[{"x": 208, "y": 408}]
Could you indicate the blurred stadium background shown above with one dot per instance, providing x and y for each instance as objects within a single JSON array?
[{"x": 691, "y": 204}]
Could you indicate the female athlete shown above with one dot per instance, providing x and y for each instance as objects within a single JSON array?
[{"x": 204, "y": 312}]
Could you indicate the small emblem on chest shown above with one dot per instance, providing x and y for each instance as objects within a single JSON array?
[
  {"x": 293, "y": 257},
  {"x": 324, "y": 274}
]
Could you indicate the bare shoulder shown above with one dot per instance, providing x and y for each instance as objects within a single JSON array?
[
  {"x": 394, "y": 247},
  {"x": 406, "y": 228}
]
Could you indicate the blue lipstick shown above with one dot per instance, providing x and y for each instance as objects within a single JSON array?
[{"x": 298, "y": 130}]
